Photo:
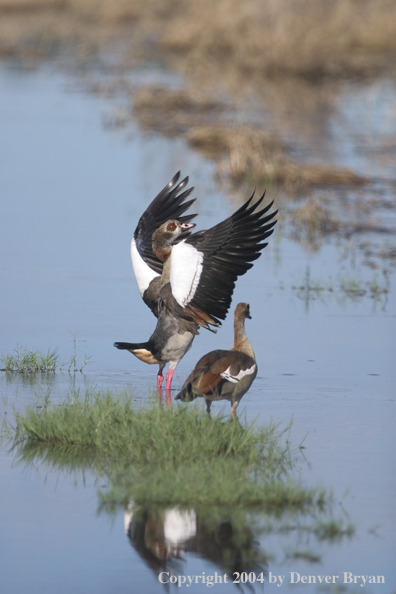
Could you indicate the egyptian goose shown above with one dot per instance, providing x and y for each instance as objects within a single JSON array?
[
  {"x": 224, "y": 375},
  {"x": 169, "y": 204},
  {"x": 170, "y": 341},
  {"x": 197, "y": 279}
]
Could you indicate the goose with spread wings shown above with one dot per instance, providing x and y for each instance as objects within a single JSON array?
[
  {"x": 193, "y": 283},
  {"x": 170, "y": 204}
]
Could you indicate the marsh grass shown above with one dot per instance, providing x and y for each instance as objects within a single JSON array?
[
  {"x": 312, "y": 221},
  {"x": 304, "y": 554},
  {"x": 219, "y": 49},
  {"x": 220, "y": 493},
  {"x": 73, "y": 365},
  {"x": 175, "y": 111},
  {"x": 237, "y": 479},
  {"x": 353, "y": 288},
  {"x": 309, "y": 288},
  {"x": 153, "y": 434},
  {"x": 35, "y": 361},
  {"x": 29, "y": 361},
  {"x": 241, "y": 152},
  {"x": 333, "y": 530},
  {"x": 157, "y": 455},
  {"x": 307, "y": 38}
]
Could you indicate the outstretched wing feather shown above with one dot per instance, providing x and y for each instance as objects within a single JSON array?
[
  {"x": 170, "y": 203},
  {"x": 228, "y": 250}
]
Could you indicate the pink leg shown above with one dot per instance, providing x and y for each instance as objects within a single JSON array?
[
  {"x": 233, "y": 411},
  {"x": 168, "y": 399},
  {"x": 160, "y": 379},
  {"x": 169, "y": 376}
]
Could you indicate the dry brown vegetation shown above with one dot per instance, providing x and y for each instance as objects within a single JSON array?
[
  {"x": 248, "y": 154},
  {"x": 227, "y": 51},
  {"x": 241, "y": 152},
  {"x": 174, "y": 112},
  {"x": 310, "y": 38},
  {"x": 312, "y": 221}
]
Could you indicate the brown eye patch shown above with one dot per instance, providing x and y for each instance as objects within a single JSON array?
[{"x": 171, "y": 227}]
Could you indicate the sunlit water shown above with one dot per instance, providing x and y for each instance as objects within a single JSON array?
[{"x": 71, "y": 197}]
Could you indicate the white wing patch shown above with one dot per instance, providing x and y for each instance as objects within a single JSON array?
[
  {"x": 179, "y": 526},
  {"x": 234, "y": 379},
  {"x": 128, "y": 515},
  {"x": 143, "y": 273},
  {"x": 186, "y": 270}
]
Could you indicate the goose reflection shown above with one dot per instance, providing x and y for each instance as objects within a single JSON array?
[
  {"x": 163, "y": 537},
  {"x": 160, "y": 538}
]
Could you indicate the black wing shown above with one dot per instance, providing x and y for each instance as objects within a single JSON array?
[
  {"x": 169, "y": 204},
  {"x": 229, "y": 249}
]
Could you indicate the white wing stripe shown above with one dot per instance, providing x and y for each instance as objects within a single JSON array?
[
  {"x": 186, "y": 270},
  {"x": 179, "y": 526},
  {"x": 234, "y": 379},
  {"x": 143, "y": 273}
]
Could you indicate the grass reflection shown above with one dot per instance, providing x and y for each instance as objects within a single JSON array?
[
  {"x": 156, "y": 458},
  {"x": 163, "y": 526},
  {"x": 185, "y": 482}
]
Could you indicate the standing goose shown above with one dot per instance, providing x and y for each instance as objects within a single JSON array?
[
  {"x": 224, "y": 375},
  {"x": 197, "y": 280}
]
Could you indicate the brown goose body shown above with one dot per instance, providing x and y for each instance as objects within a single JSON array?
[{"x": 221, "y": 374}]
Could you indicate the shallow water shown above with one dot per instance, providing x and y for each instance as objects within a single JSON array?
[{"x": 72, "y": 193}]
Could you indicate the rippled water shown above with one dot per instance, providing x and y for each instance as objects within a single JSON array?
[{"x": 71, "y": 195}]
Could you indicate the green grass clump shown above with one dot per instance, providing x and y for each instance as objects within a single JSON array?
[
  {"x": 352, "y": 287},
  {"x": 235, "y": 478},
  {"x": 344, "y": 286},
  {"x": 33, "y": 360},
  {"x": 152, "y": 434},
  {"x": 310, "y": 288},
  {"x": 160, "y": 455},
  {"x": 29, "y": 361}
]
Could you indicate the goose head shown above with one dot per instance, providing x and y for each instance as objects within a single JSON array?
[
  {"x": 242, "y": 311},
  {"x": 166, "y": 235}
]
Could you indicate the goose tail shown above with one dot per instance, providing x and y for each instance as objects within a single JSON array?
[{"x": 141, "y": 350}]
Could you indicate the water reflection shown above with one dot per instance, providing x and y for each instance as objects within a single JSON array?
[
  {"x": 37, "y": 388},
  {"x": 49, "y": 290},
  {"x": 169, "y": 538},
  {"x": 163, "y": 537}
]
